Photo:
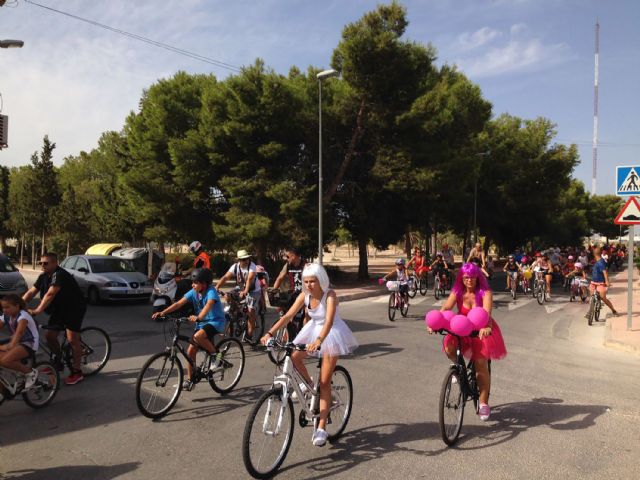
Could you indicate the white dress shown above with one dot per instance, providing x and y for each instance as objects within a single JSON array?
[{"x": 339, "y": 340}]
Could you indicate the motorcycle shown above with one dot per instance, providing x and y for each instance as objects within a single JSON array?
[{"x": 168, "y": 287}]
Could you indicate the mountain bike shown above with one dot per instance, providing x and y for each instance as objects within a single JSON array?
[
  {"x": 159, "y": 382},
  {"x": 268, "y": 432},
  {"x": 96, "y": 349},
  {"x": 440, "y": 284},
  {"x": 283, "y": 301},
  {"x": 595, "y": 305},
  {"x": 459, "y": 386},
  {"x": 540, "y": 288},
  {"x": 41, "y": 393},
  {"x": 397, "y": 301},
  {"x": 237, "y": 314}
]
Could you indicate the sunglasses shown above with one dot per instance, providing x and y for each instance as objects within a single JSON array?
[{"x": 44, "y": 263}]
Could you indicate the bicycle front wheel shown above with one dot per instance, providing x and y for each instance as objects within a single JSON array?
[
  {"x": 267, "y": 434},
  {"x": 404, "y": 306},
  {"x": 392, "y": 306},
  {"x": 413, "y": 287},
  {"x": 96, "y": 350},
  {"x": 540, "y": 295},
  {"x": 436, "y": 288},
  {"x": 277, "y": 356},
  {"x": 159, "y": 385},
  {"x": 46, "y": 386},
  {"x": 596, "y": 311},
  {"x": 341, "y": 402},
  {"x": 228, "y": 374},
  {"x": 423, "y": 286},
  {"x": 452, "y": 403}
]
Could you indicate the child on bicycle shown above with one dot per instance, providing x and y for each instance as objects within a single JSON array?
[
  {"x": 325, "y": 334},
  {"x": 579, "y": 277},
  {"x": 401, "y": 276},
  {"x": 24, "y": 338},
  {"x": 512, "y": 270},
  {"x": 440, "y": 268},
  {"x": 209, "y": 317},
  {"x": 471, "y": 289}
]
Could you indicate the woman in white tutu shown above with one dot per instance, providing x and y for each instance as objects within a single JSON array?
[{"x": 325, "y": 333}]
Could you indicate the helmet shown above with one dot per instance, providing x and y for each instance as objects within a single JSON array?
[
  {"x": 538, "y": 254},
  {"x": 400, "y": 261},
  {"x": 195, "y": 246},
  {"x": 511, "y": 257},
  {"x": 202, "y": 275},
  {"x": 260, "y": 269},
  {"x": 438, "y": 254},
  {"x": 578, "y": 265},
  {"x": 445, "y": 246},
  {"x": 524, "y": 259},
  {"x": 570, "y": 257}
]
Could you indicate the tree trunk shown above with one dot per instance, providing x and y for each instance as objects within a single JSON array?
[
  {"x": 42, "y": 247},
  {"x": 464, "y": 242},
  {"x": 149, "y": 260},
  {"x": 22, "y": 251},
  {"x": 68, "y": 248},
  {"x": 33, "y": 250},
  {"x": 407, "y": 243},
  {"x": 363, "y": 264}
]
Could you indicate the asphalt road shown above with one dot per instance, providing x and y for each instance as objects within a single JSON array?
[{"x": 563, "y": 407}]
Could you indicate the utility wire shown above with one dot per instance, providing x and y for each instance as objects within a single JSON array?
[{"x": 155, "y": 43}]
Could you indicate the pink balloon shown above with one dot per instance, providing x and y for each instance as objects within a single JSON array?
[
  {"x": 479, "y": 317},
  {"x": 381, "y": 281},
  {"x": 435, "y": 320},
  {"x": 448, "y": 315},
  {"x": 461, "y": 325}
]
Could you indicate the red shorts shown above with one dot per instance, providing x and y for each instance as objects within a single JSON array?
[
  {"x": 600, "y": 286},
  {"x": 422, "y": 269}
]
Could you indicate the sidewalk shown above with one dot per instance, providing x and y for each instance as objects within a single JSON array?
[{"x": 616, "y": 333}]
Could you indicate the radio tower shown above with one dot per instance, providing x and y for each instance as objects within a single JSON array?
[{"x": 595, "y": 112}]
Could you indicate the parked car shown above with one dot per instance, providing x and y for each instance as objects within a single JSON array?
[
  {"x": 11, "y": 280},
  {"x": 103, "y": 277}
]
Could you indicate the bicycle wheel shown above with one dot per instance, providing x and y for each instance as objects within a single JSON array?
[
  {"x": 96, "y": 350},
  {"x": 540, "y": 294},
  {"x": 392, "y": 306},
  {"x": 596, "y": 311},
  {"x": 341, "y": 402},
  {"x": 159, "y": 385},
  {"x": 452, "y": 403},
  {"x": 46, "y": 386},
  {"x": 277, "y": 357},
  {"x": 423, "y": 286},
  {"x": 592, "y": 308},
  {"x": 413, "y": 286},
  {"x": 267, "y": 434},
  {"x": 436, "y": 288},
  {"x": 232, "y": 366}
]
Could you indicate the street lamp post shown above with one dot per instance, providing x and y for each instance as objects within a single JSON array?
[
  {"x": 321, "y": 76},
  {"x": 475, "y": 195},
  {"x": 11, "y": 43}
]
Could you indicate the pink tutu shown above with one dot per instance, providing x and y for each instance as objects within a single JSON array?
[{"x": 491, "y": 347}]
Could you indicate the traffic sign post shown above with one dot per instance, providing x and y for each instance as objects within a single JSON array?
[{"x": 629, "y": 215}]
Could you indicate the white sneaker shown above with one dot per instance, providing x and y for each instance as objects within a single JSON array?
[
  {"x": 30, "y": 379},
  {"x": 216, "y": 364},
  {"x": 320, "y": 437},
  {"x": 303, "y": 388}
]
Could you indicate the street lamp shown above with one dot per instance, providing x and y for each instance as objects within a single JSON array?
[
  {"x": 11, "y": 43},
  {"x": 475, "y": 194},
  {"x": 321, "y": 76}
]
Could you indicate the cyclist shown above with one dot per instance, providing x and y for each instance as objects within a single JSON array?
[
  {"x": 24, "y": 339},
  {"x": 471, "y": 289},
  {"x": 326, "y": 334},
  {"x": 580, "y": 276},
  {"x": 543, "y": 265},
  {"x": 600, "y": 279},
  {"x": 244, "y": 272},
  {"x": 419, "y": 263},
  {"x": 62, "y": 298},
  {"x": 447, "y": 254},
  {"x": 201, "y": 259},
  {"x": 512, "y": 270},
  {"x": 476, "y": 255},
  {"x": 441, "y": 269},
  {"x": 400, "y": 273},
  {"x": 209, "y": 317},
  {"x": 292, "y": 272}
]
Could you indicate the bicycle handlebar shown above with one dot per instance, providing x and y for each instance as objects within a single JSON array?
[
  {"x": 273, "y": 343},
  {"x": 444, "y": 331}
]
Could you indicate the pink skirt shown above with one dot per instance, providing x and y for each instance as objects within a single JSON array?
[{"x": 491, "y": 347}]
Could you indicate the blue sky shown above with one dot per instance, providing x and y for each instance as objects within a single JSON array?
[{"x": 530, "y": 57}]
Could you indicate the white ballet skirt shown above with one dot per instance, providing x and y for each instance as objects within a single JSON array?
[{"x": 339, "y": 341}]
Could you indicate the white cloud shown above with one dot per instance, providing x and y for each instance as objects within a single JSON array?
[{"x": 470, "y": 41}]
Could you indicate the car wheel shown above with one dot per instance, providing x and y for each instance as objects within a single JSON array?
[{"x": 93, "y": 296}]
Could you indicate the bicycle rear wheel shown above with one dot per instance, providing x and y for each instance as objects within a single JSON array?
[
  {"x": 227, "y": 376},
  {"x": 392, "y": 306},
  {"x": 341, "y": 402},
  {"x": 46, "y": 386},
  {"x": 96, "y": 350},
  {"x": 423, "y": 286},
  {"x": 267, "y": 434},
  {"x": 592, "y": 308},
  {"x": 452, "y": 403},
  {"x": 413, "y": 286},
  {"x": 159, "y": 385},
  {"x": 404, "y": 306},
  {"x": 436, "y": 288},
  {"x": 596, "y": 310}
]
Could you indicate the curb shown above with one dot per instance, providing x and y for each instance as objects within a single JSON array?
[
  {"x": 347, "y": 297},
  {"x": 618, "y": 344}
]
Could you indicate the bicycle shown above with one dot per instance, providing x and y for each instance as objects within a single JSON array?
[
  {"x": 577, "y": 290},
  {"x": 159, "y": 382},
  {"x": 524, "y": 285},
  {"x": 283, "y": 301},
  {"x": 41, "y": 393},
  {"x": 397, "y": 301},
  {"x": 237, "y": 314},
  {"x": 540, "y": 288},
  {"x": 268, "y": 432},
  {"x": 459, "y": 385},
  {"x": 595, "y": 305},
  {"x": 96, "y": 349},
  {"x": 440, "y": 284},
  {"x": 513, "y": 284},
  {"x": 417, "y": 283}
]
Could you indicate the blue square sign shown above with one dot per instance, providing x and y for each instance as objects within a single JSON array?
[{"x": 628, "y": 181}]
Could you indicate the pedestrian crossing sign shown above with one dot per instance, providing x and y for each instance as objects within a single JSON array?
[
  {"x": 629, "y": 214},
  {"x": 628, "y": 181}
]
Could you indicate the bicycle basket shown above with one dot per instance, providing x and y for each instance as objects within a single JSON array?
[{"x": 393, "y": 286}]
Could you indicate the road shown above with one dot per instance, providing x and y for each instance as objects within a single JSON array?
[{"x": 563, "y": 407}]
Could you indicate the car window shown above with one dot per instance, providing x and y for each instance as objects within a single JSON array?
[
  {"x": 104, "y": 265},
  {"x": 82, "y": 263},
  {"x": 7, "y": 266},
  {"x": 69, "y": 263}
]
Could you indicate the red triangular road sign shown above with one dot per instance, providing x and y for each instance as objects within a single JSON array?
[{"x": 629, "y": 214}]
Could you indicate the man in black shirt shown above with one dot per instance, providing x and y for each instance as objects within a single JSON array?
[{"x": 62, "y": 298}]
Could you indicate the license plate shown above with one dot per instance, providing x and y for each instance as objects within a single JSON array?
[{"x": 134, "y": 292}]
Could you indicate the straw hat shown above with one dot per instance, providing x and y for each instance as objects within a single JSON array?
[{"x": 242, "y": 254}]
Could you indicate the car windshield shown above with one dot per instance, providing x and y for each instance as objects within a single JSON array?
[
  {"x": 7, "y": 266},
  {"x": 105, "y": 265}
]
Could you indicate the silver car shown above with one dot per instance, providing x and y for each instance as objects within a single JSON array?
[
  {"x": 103, "y": 277},
  {"x": 11, "y": 280}
]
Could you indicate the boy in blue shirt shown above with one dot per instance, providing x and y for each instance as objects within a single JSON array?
[{"x": 209, "y": 317}]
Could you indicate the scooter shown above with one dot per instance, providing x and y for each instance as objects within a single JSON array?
[{"x": 168, "y": 287}]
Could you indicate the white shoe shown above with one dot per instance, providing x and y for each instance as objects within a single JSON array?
[
  {"x": 30, "y": 379},
  {"x": 454, "y": 380},
  {"x": 320, "y": 437},
  {"x": 303, "y": 388}
]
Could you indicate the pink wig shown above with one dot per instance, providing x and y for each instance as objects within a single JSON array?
[{"x": 482, "y": 286}]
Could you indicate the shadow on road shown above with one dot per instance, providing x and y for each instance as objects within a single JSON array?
[
  {"x": 76, "y": 472},
  {"x": 372, "y": 350}
]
